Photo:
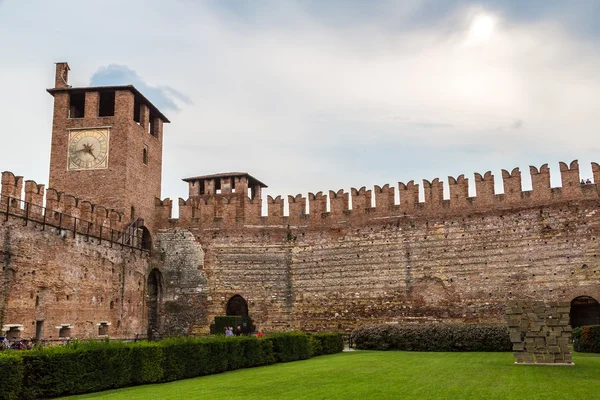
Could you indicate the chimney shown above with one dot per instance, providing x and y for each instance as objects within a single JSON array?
[{"x": 62, "y": 75}]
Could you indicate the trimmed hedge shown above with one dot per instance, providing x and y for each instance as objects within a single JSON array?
[
  {"x": 586, "y": 339},
  {"x": 84, "y": 367},
  {"x": 11, "y": 368},
  {"x": 326, "y": 343},
  {"x": 291, "y": 346},
  {"x": 433, "y": 337}
]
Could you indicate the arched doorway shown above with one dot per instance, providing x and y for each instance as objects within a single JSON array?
[
  {"x": 237, "y": 306},
  {"x": 153, "y": 301},
  {"x": 146, "y": 239},
  {"x": 585, "y": 310}
]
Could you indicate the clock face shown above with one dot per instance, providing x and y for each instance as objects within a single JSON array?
[{"x": 88, "y": 149}]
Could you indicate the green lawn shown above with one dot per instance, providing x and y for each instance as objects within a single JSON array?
[{"x": 385, "y": 375}]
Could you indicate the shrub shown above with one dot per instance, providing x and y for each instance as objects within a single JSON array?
[
  {"x": 84, "y": 367},
  {"x": 327, "y": 343},
  {"x": 315, "y": 347},
  {"x": 290, "y": 346},
  {"x": 586, "y": 339},
  {"x": 433, "y": 337},
  {"x": 11, "y": 367}
]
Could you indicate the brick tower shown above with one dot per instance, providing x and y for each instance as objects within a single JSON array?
[{"x": 106, "y": 147}]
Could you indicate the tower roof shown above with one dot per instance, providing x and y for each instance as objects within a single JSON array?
[
  {"x": 251, "y": 180},
  {"x": 131, "y": 88}
]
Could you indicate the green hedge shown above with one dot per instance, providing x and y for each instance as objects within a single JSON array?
[
  {"x": 290, "y": 346},
  {"x": 84, "y": 367},
  {"x": 11, "y": 370},
  {"x": 326, "y": 343},
  {"x": 586, "y": 339},
  {"x": 433, "y": 337}
]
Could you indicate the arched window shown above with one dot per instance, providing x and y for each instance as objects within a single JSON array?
[{"x": 585, "y": 310}]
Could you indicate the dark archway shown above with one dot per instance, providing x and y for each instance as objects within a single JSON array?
[
  {"x": 146, "y": 239},
  {"x": 153, "y": 301},
  {"x": 585, "y": 310},
  {"x": 237, "y": 306}
]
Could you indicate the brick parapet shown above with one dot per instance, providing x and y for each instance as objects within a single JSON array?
[
  {"x": 36, "y": 198},
  {"x": 237, "y": 211}
]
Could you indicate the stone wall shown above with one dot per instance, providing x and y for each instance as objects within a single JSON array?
[
  {"x": 51, "y": 276},
  {"x": 404, "y": 269},
  {"x": 539, "y": 331}
]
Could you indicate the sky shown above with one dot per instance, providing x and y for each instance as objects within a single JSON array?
[{"x": 317, "y": 95}]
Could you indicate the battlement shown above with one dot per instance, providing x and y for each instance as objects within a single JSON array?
[
  {"x": 338, "y": 206},
  {"x": 64, "y": 211}
]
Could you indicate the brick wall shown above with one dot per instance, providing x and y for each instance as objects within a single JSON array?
[{"x": 52, "y": 277}]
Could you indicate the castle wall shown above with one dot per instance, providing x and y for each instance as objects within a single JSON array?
[
  {"x": 63, "y": 265},
  {"x": 52, "y": 277},
  {"x": 404, "y": 269},
  {"x": 457, "y": 259}
]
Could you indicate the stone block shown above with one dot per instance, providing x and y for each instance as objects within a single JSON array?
[
  {"x": 518, "y": 346},
  {"x": 554, "y": 349},
  {"x": 515, "y": 337}
]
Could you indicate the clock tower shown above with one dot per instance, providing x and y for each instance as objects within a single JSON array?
[{"x": 106, "y": 147}]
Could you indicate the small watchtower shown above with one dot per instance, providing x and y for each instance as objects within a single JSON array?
[{"x": 226, "y": 184}]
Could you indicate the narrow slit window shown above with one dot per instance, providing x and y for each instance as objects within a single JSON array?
[
  {"x": 76, "y": 105},
  {"x": 152, "y": 126},
  {"x": 137, "y": 110},
  {"x": 106, "y": 106},
  {"x": 145, "y": 155}
]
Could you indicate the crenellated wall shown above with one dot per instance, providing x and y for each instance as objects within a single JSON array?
[
  {"x": 334, "y": 262},
  {"x": 460, "y": 258},
  {"x": 234, "y": 210},
  {"x": 61, "y": 268},
  {"x": 61, "y": 207}
]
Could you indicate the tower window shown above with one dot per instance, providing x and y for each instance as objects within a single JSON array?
[
  {"x": 107, "y": 104},
  {"x": 136, "y": 110},
  {"x": 76, "y": 105},
  {"x": 145, "y": 155},
  {"x": 152, "y": 126}
]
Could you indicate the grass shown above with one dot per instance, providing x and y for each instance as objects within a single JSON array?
[{"x": 373, "y": 374}]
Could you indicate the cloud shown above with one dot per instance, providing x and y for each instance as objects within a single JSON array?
[
  {"x": 309, "y": 95},
  {"x": 162, "y": 97}
]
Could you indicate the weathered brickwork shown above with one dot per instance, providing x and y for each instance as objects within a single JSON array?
[
  {"x": 403, "y": 269},
  {"x": 460, "y": 259},
  {"x": 52, "y": 277}
]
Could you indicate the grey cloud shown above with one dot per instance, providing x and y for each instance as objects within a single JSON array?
[
  {"x": 518, "y": 124},
  {"x": 163, "y": 97},
  {"x": 433, "y": 125}
]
